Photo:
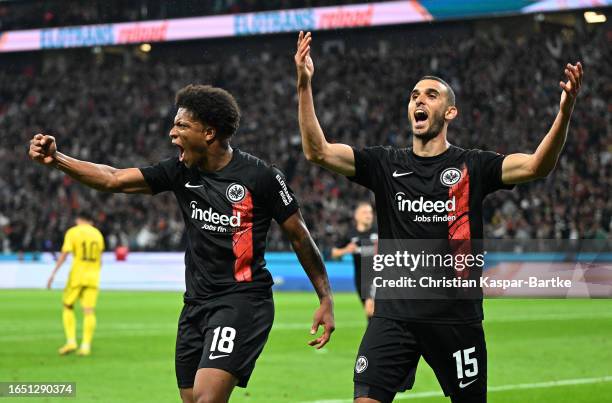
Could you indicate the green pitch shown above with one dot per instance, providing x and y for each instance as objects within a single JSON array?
[{"x": 530, "y": 343}]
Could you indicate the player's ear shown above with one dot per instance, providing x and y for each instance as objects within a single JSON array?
[
  {"x": 210, "y": 134},
  {"x": 451, "y": 112}
]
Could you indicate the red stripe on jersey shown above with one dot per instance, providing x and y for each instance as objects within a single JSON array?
[
  {"x": 242, "y": 241},
  {"x": 459, "y": 229}
]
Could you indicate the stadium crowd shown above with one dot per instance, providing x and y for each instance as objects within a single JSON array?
[
  {"x": 56, "y": 13},
  {"x": 119, "y": 113}
]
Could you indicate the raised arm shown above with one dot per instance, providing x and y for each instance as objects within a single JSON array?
[
  {"x": 312, "y": 262},
  {"x": 335, "y": 157},
  {"x": 518, "y": 168},
  {"x": 43, "y": 149}
]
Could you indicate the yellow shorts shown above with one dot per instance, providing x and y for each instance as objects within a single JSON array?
[{"x": 87, "y": 295}]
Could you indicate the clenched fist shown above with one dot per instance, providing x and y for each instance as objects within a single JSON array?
[{"x": 43, "y": 149}]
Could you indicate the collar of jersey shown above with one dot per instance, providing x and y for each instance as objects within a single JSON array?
[
  {"x": 226, "y": 167},
  {"x": 438, "y": 157}
]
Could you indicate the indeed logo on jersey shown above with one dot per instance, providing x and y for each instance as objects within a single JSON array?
[
  {"x": 421, "y": 205},
  {"x": 214, "y": 221}
]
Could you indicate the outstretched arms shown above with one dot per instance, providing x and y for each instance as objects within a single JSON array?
[
  {"x": 335, "y": 157},
  {"x": 518, "y": 168},
  {"x": 43, "y": 149},
  {"x": 312, "y": 262}
]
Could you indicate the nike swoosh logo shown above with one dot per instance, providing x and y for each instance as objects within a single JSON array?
[
  {"x": 187, "y": 185},
  {"x": 397, "y": 175},
  {"x": 214, "y": 357},
  {"x": 465, "y": 385}
]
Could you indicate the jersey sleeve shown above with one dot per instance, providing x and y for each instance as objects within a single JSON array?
[
  {"x": 342, "y": 241},
  {"x": 162, "y": 176},
  {"x": 67, "y": 246},
  {"x": 280, "y": 199},
  {"x": 368, "y": 165},
  {"x": 491, "y": 171}
]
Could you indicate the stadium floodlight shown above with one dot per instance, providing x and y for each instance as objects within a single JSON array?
[{"x": 593, "y": 17}]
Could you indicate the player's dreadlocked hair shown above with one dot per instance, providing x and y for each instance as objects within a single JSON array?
[{"x": 211, "y": 105}]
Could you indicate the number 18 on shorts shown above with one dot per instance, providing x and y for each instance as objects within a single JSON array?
[{"x": 227, "y": 333}]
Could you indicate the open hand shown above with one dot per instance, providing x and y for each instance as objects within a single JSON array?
[
  {"x": 571, "y": 87},
  {"x": 303, "y": 61},
  {"x": 323, "y": 316}
]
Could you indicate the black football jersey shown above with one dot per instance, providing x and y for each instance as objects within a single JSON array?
[
  {"x": 436, "y": 197},
  {"x": 366, "y": 242},
  {"x": 227, "y": 215}
]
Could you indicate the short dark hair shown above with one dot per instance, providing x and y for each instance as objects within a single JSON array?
[
  {"x": 363, "y": 203},
  {"x": 451, "y": 93},
  {"x": 211, "y": 105},
  {"x": 85, "y": 215}
]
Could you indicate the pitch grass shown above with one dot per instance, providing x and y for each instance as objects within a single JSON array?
[{"x": 529, "y": 341}]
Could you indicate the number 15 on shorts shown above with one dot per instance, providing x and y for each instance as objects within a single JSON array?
[{"x": 467, "y": 366}]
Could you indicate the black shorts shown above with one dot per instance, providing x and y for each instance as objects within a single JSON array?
[
  {"x": 390, "y": 351},
  {"x": 364, "y": 291},
  {"x": 227, "y": 333}
]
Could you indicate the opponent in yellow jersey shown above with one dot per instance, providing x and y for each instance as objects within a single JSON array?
[{"x": 86, "y": 244}]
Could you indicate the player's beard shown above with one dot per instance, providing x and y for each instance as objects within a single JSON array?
[{"x": 435, "y": 127}]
